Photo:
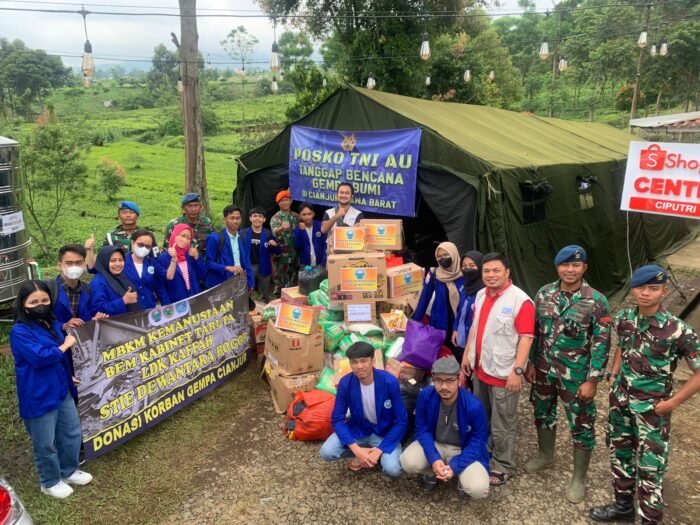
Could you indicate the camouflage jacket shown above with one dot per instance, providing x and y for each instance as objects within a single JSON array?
[
  {"x": 118, "y": 237},
  {"x": 572, "y": 333},
  {"x": 651, "y": 347},
  {"x": 285, "y": 240},
  {"x": 202, "y": 228}
]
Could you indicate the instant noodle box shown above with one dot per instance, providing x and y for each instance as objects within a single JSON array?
[
  {"x": 404, "y": 279},
  {"x": 283, "y": 386},
  {"x": 292, "y": 295},
  {"x": 348, "y": 239},
  {"x": 297, "y": 318},
  {"x": 383, "y": 234},
  {"x": 357, "y": 277},
  {"x": 294, "y": 353}
]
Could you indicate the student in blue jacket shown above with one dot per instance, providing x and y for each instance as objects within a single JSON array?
[
  {"x": 144, "y": 272},
  {"x": 452, "y": 434},
  {"x": 260, "y": 244},
  {"x": 182, "y": 264},
  {"x": 111, "y": 291},
  {"x": 372, "y": 433},
  {"x": 309, "y": 240},
  {"x": 227, "y": 253},
  {"x": 443, "y": 291},
  {"x": 44, "y": 383},
  {"x": 69, "y": 294},
  {"x": 473, "y": 282}
]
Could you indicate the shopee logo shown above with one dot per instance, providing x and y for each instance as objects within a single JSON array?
[{"x": 656, "y": 159}]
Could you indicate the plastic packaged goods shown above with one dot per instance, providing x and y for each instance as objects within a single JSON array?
[{"x": 310, "y": 278}]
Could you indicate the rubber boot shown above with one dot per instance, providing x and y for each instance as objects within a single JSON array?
[
  {"x": 546, "y": 440},
  {"x": 621, "y": 510},
  {"x": 577, "y": 488}
]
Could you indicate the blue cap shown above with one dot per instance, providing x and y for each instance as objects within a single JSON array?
[
  {"x": 571, "y": 253},
  {"x": 130, "y": 205},
  {"x": 190, "y": 197},
  {"x": 650, "y": 274}
]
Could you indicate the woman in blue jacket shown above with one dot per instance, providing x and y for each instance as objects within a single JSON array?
[
  {"x": 143, "y": 270},
  {"x": 471, "y": 270},
  {"x": 443, "y": 291},
  {"x": 182, "y": 264},
  {"x": 44, "y": 384},
  {"x": 111, "y": 291},
  {"x": 309, "y": 240}
]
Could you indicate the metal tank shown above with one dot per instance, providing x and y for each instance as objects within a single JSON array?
[{"x": 14, "y": 240}]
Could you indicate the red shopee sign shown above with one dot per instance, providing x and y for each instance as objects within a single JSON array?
[{"x": 663, "y": 178}]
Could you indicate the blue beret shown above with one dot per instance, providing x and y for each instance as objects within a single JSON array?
[
  {"x": 571, "y": 253},
  {"x": 129, "y": 205},
  {"x": 650, "y": 274},
  {"x": 190, "y": 197}
]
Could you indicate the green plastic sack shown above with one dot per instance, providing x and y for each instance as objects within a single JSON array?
[
  {"x": 270, "y": 312},
  {"x": 325, "y": 382},
  {"x": 365, "y": 329},
  {"x": 319, "y": 298},
  {"x": 324, "y": 286},
  {"x": 332, "y": 316},
  {"x": 345, "y": 343},
  {"x": 332, "y": 334}
]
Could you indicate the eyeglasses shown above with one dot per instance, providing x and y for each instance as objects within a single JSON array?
[
  {"x": 445, "y": 381},
  {"x": 142, "y": 245}
]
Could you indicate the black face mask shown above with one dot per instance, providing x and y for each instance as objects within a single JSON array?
[
  {"x": 445, "y": 262},
  {"x": 471, "y": 274},
  {"x": 39, "y": 313}
]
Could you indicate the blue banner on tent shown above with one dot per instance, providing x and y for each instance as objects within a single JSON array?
[{"x": 381, "y": 166}]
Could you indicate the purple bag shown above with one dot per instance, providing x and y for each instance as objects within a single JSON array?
[{"x": 421, "y": 345}]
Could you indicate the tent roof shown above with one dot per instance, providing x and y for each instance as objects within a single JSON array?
[{"x": 689, "y": 121}]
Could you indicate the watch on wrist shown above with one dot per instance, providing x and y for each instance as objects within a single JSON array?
[{"x": 518, "y": 371}]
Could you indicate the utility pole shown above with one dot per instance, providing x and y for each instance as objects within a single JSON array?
[
  {"x": 195, "y": 175},
  {"x": 635, "y": 96}
]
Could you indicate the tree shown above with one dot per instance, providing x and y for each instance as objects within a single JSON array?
[
  {"x": 165, "y": 72},
  {"x": 110, "y": 178},
  {"x": 240, "y": 45},
  {"x": 308, "y": 83},
  {"x": 294, "y": 47},
  {"x": 53, "y": 172}
]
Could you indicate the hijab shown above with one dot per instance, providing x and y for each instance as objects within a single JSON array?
[
  {"x": 181, "y": 252},
  {"x": 473, "y": 281},
  {"x": 451, "y": 274},
  {"x": 119, "y": 283}
]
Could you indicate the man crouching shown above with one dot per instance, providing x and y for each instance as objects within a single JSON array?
[
  {"x": 451, "y": 434},
  {"x": 372, "y": 433}
]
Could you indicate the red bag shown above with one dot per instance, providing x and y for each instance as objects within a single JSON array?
[{"x": 309, "y": 416}]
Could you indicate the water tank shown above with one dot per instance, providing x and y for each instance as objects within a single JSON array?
[{"x": 14, "y": 241}]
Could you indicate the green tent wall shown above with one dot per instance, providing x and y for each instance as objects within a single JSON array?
[{"x": 478, "y": 167}]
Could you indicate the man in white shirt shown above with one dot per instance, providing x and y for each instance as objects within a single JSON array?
[{"x": 344, "y": 214}]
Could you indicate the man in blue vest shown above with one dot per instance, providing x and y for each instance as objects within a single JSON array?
[
  {"x": 227, "y": 254},
  {"x": 452, "y": 433},
  {"x": 378, "y": 420},
  {"x": 260, "y": 244}
]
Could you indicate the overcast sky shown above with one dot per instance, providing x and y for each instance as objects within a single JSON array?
[{"x": 121, "y": 37}]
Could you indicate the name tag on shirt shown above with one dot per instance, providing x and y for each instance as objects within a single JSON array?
[{"x": 507, "y": 310}]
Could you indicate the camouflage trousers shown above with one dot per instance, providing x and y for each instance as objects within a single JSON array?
[
  {"x": 286, "y": 272},
  {"x": 545, "y": 394},
  {"x": 639, "y": 447}
]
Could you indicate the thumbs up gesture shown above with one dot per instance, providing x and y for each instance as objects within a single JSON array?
[
  {"x": 90, "y": 242},
  {"x": 130, "y": 297}
]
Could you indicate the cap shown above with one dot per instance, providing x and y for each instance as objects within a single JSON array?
[
  {"x": 130, "y": 205},
  {"x": 190, "y": 197},
  {"x": 359, "y": 349},
  {"x": 571, "y": 253},
  {"x": 446, "y": 365},
  {"x": 650, "y": 274},
  {"x": 282, "y": 194}
]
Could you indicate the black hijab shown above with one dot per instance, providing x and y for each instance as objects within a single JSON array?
[
  {"x": 472, "y": 278},
  {"x": 119, "y": 283}
]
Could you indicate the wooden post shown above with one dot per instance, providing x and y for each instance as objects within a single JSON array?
[{"x": 195, "y": 175}]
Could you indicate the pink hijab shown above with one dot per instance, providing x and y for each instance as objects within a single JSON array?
[{"x": 177, "y": 230}]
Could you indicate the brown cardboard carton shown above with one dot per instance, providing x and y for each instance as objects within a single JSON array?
[
  {"x": 283, "y": 387},
  {"x": 344, "y": 240},
  {"x": 357, "y": 277},
  {"x": 297, "y": 318},
  {"x": 394, "y": 322},
  {"x": 360, "y": 312},
  {"x": 383, "y": 234},
  {"x": 292, "y": 295},
  {"x": 294, "y": 353},
  {"x": 406, "y": 303},
  {"x": 404, "y": 279},
  {"x": 403, "y": 371},
  {"x": 259, "y": 329}
]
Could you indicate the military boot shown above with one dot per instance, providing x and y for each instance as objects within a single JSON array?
[
  {"x": 621, "y": 510},
  {"x": 546, "y": 440},
  {"x": 577, "y": 488}
]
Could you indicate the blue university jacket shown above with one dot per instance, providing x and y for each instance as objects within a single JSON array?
[
  {"x": 104, "y": 299},
  {"x": 465, "y": 318},
  {"x": 301, "y": 241},
  {"x": 175, "y": 288},
  {"x": 473, "y": 428},
  {"x": 150, "y": 284},
  {"x": 43, "y": 371},
  {"x": 61, "y": 308},
  {"x": 392, "y": 419},
  {"x": 441, "y": 315},
  {"x": 264, "y": 258},
  {"x": 217, "y": 262}
]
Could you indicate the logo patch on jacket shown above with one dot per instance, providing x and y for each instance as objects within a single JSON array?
[
  {"x": 387, "y": 404},
  {"x": 151, "y": 270}
]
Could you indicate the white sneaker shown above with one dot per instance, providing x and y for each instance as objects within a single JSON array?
[
  {"x": 60, "y": 490},
  {"x": 79, "y": 478}
]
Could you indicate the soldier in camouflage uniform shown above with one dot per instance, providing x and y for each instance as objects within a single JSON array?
[
  {"x": 568, "y": 357},
  {"x": 651, "y": 341},
  {"x": 282, "y": 225},
  {"x": 129, "y": 214},
  {"x": 191, "y": 209}
]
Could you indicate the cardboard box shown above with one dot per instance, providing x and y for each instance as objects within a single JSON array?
[
  {"x": 294, "y": 353},
  {"x": 348, "y": 239},
  {"x": 394, "y": 322},
  {"x": 404, "y": 279},
  {"x": 259, "y": 329},
  {"x": 292, "y": 295},
  {"x": 360, "y": 312},
  {"x": 297, "y": 318},
  {"x": 283, "y": 387},
  {"x": 406, "y": 303},
  {"x": 403, "y": 371},
  {"x": 357, "y": 277},
  {"x": 383, "y": 234}
]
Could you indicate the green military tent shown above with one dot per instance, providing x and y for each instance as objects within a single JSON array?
[{"x": 495, "y": 180}]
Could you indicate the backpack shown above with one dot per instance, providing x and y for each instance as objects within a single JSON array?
[
  {"x": 309, "y": 416},
  {"x": 53, "y": 289}
]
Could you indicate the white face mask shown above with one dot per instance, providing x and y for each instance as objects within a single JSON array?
[
  {"x": 141, "y": 251},
  {"x": 73, "y": 272}
]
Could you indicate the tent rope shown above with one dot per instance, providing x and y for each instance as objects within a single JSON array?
[{"x": 491, "y": 189}]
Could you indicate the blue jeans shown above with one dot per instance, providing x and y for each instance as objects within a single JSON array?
[
  {"x": 56, "y": 441},
  {"x": 333, "y": 450}
]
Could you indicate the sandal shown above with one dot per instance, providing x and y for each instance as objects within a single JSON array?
[
  {"x": 354, "y": 465},
  {"x": 499, "y": 478}
]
